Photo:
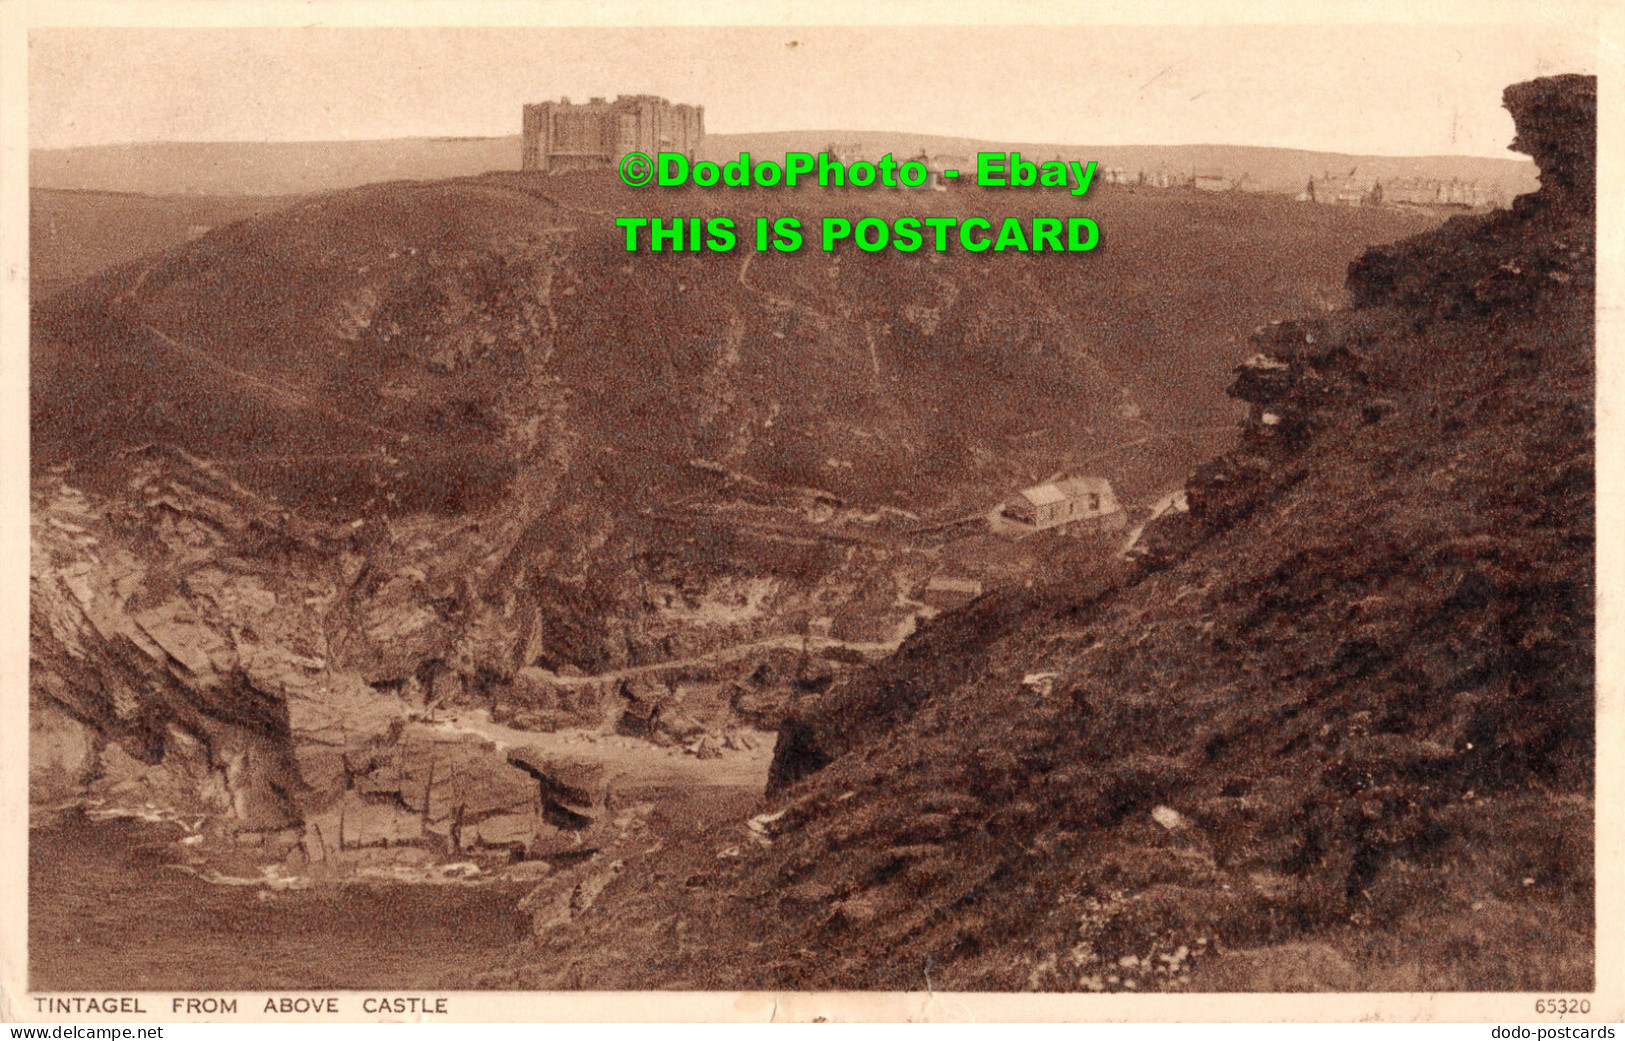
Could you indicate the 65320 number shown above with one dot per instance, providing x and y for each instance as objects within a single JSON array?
[{"x": 1562, "y": 1006}]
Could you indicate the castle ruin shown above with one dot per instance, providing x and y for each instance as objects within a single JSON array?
[{"x": 561, "y": 136}]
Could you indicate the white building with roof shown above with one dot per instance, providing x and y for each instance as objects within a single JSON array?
[{"x": 1083, "y": 501}]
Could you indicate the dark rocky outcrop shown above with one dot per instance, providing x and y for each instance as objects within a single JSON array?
[{"x": 1556, "y": 119}]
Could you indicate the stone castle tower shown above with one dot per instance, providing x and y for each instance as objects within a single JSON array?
[{"x": 562, "y": 136}]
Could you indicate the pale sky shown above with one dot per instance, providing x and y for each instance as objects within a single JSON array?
[{"x": 1385, "y": 89}]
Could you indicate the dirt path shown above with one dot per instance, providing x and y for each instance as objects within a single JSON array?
[
  {"x": 784, "y": 530},
  {"x": 631, "y": 761},
  {"x": 732, "y": 652},
  {"x": 290, "y": 398},
  {"x": 1166, "y": 435}
]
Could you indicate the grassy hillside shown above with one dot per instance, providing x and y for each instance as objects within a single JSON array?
[
  {"x": 265, "y": 168},
  {"x": 410, "y": 345},
  {"x": 75, "y": 234}
]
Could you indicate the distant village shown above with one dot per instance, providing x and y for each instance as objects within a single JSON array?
[
  {"x": 562, "y": 136},
  {"x": 1328, "y": 189}
]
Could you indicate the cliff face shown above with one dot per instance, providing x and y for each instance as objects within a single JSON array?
[
  {"x": 1334, "y": 728},
  {"x": 188, "y": 665}
]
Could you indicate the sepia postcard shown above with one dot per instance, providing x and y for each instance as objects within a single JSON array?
[{"x": 809, "y": 511}]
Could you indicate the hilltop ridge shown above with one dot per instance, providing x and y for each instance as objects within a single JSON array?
[{"x": 276, "y": 168}]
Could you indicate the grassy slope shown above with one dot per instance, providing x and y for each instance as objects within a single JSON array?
[
  {"x": 407, "y": 339},
  {"x": 74, "y": 235}
]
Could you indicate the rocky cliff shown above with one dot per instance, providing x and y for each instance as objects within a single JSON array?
[{"x": 1333, "y": 729}]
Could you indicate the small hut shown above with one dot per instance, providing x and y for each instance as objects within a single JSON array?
[{"x": 1081, "y": 501}]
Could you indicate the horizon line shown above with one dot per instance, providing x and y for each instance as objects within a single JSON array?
[{"x": 1513, "y": 157}]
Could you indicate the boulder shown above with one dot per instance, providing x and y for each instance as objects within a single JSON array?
[
  {"x": 573, "y": 796},
  {"x": 61, "y": 754},
  {"x": 539, "y": 688},
  {"x": 705, "y": 747},
  {"x": 645, "y": 700},
  {"x": 761, "y": 708},
  {"x": 359, "y": 821},
  {"x": 443, "y": 776},
  {"x": 1039, "y": 685}
]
